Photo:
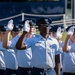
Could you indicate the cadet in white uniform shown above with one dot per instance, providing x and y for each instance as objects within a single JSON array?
[
  {"x": 56, "y": 32},
  {"x": 69, "y": 57},
  {"x": 10, "y": 53},
  {"x": 2, "y": 61},
  {"x": 24, "y": 56},
  {"x": 66, "y": 47},
  {"x": 45, "y": 54}
]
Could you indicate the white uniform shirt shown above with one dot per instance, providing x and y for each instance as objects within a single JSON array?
[
  {"x": 24, "y": 57},
  {"x": 2, "y": 60},
  {"x": 71, "y": 48},
  {"x": 43, "y": 51},
  {"x": 10, "y": 55},
  {"x": 69, "y": 61},
  {"x": 10, "y": 59},
  {"x": 61, "y": 53}
]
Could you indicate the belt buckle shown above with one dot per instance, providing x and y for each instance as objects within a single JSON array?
[{"x": 45, "y": 69}]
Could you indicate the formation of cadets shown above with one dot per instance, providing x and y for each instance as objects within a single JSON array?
[{"x": 23, "y": 52}]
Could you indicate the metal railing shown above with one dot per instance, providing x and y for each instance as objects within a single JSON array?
[{"x": 63, "y": 21}]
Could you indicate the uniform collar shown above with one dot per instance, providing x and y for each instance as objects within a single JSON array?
[{"x": 41, "y": 37}]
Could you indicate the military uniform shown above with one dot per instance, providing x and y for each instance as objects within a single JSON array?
[
  {"x": 69, "y": 58},
  {"x": 10, "y": 53},
  {"x": 43, "y": 52},
  {"x": 25, "y": 56},
  {"x": 57, "y": 33},
  {"x": 68, "y": 68},
  {"x": 2, "y": 58}
]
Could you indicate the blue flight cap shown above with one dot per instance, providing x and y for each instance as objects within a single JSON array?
[
  {"x": 51, "y": 28},
  {"x": 55, "y": 27},
  {"x": 44, "y": 21},
  {"x": 21, "y": 26},
  {"x": 69, "y": 28},
  {"x": 2, "y": 28},
  {"x": 31, "y": 22},
  {"x": 16, "y": 28}
]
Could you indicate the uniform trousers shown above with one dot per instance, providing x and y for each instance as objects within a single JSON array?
[
  {"x": 65, "y": 73},
  {"x": 10, "y": 71},
  {"x": 23, "y": 71},
  {"x": 2, "y": 72},
  {"x": 37, "y": 71},
  {"x": 40, "y": 71}
]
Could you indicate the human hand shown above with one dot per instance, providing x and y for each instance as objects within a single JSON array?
[
  {"x": 10, "y": 25},
  {"x": 58, "y": 33},
  {"x": 26, "y": 26},
  {"x": 70, "y": 31}
]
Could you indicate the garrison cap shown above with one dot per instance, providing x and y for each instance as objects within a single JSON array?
[
  {"x": 44, "y": 21},
  {"x": 16, "y": 28},
  {"x": 55, "y": 27},
  {"x": 2, "y": 28},
  {"x": 70, "y": 27},
  {"x": 21, "y": 26},
  {"x": 31, "y": 22}
]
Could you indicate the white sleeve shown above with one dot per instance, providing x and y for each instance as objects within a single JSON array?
[
  {"x": 57, "y": 51},
  {"x": 71, "y": 48},
  {"x": 28, "y": 43}
]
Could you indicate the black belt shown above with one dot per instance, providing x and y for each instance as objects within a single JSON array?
[
  {"x": 37, "y": 71},
  {"x": 67, "y": 73},
  {"x": 24, "y": 68},
  {"x": 24, "y": 71},
  {"x": 42, "y": 68}
]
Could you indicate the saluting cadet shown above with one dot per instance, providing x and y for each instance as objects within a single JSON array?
[
  {"x": 57, "y": 33},
  {"x": 10, "y": 53},
  {"x": 24, "y": 56},
  {"x": 69, "y": 57},
  {"x": 45, "y": 54},
  {"x": 2, "y": 60},
  {"x": 70, "y": 34}
]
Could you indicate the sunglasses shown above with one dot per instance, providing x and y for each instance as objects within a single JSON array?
[{"x": 45, "y": 25}]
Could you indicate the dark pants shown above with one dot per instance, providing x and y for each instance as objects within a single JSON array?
[
  {"x": 23, "y": 71},
  {"x": 2, "y": 72},
  {"x": 10, "y": 71},
  {"x": 37, "y": 71},
  {"x": 65, "y": 73}
]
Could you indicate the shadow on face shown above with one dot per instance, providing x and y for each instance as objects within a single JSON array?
[
  {"x": 2, "y": 35},
  {"x": 14, "y": 33},
  {"x": 44, "y": 29},
  {"x": 31, "y": 30}
]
